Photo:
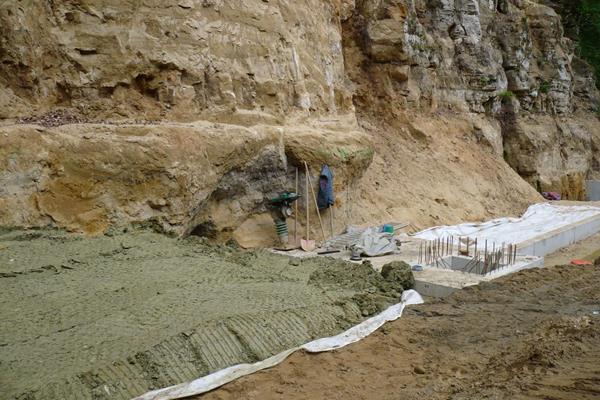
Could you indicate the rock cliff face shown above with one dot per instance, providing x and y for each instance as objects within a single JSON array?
[
  {"x": 507, "y": 60},
  {"x": 420, "y": 106},
  {"x": 176, "y": 59}
]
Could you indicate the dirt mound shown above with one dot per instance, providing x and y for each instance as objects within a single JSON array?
[
  {"x": 356, "y": 277},
  {"x": 531, "y": 335},
  {"x": 399, "y": 273},
  {"x": 377, "y": 291}
]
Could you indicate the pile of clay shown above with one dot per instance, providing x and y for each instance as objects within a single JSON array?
[{"x": 118, "y": 315}]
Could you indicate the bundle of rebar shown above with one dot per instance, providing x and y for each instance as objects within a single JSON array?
[
  {"x": 492, "y": 258},
  {"x": 433, "y": 250}
]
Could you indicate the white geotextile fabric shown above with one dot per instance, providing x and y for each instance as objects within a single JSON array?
[
  {"x": 219, "y": 378},
  {"x": 373, "y": 243},
  {"x": 538, "y": 220}
]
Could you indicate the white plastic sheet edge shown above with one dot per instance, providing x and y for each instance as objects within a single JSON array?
[
  {"x": 536, "y": 221},
  {"x": 220, "y": 378}
]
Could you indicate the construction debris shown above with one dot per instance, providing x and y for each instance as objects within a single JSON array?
[{"x": 352, "y": 236}]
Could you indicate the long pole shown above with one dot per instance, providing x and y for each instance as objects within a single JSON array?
[
  {"x": 296, "y": 213},
  {"x": 307, "y": 203},
  {"x": 312, "y": 189},
  {"x": 331, "y": 219}
]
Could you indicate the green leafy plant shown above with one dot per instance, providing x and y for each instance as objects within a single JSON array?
[
  {"x": 545, "y": 87},
  {"x": 343, "y": 154},
  {"x": 506, "y": 95},
  {"x": 581, "y": 20},
  {"x": 589, "y": 43}
]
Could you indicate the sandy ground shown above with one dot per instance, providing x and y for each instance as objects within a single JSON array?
[
  {"x": 588, "y": 249},
  {"x": 531, "y": 335},
  {"x": 118, "y": 315}
]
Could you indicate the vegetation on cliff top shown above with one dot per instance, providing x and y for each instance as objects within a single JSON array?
[
  {"x": 589, "y": 43},
  {"x": 581, "y": 19}
]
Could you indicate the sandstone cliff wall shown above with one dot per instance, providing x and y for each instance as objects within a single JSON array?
[
  {"x": 175, "y": 59},
  {"x": 507, "y": 60},
  {"x": 192, "y": 112}
]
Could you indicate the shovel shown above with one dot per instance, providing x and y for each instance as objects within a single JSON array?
[{"x": 307, "y": 244}]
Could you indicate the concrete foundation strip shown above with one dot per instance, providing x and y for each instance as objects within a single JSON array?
[
  {"x": 543, "y": 229},
  {"x": 220, "y": 378}
]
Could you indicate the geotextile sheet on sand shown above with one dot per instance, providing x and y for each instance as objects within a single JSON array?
[
  {"x": 538, "y": 220},
  {"x": 121, "y": 314},
  {"x": 352, "y": 335}
]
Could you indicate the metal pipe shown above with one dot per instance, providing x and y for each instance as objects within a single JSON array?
[
  {"x": 429, "y": 253},
  {"x": 499, "y": 258},
  {"x": 485, "y": 255},
  {"x": 485, "y": 260},
  {"x": 512, "y": 258}
]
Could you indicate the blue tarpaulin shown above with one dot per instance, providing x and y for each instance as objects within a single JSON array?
[{"x": 325, "y": 199}]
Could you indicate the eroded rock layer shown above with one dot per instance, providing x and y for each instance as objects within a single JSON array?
[
  {"x": 190, "y": 113},
  {"x": 507, "y": 60}
]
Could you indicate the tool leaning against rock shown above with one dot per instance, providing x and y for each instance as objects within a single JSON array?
[
  {"x": 312, "y": 189},
  {"x": 307, "y": 244}
]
